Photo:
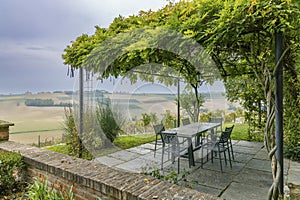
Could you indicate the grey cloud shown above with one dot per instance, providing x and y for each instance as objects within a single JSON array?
[{"x": 33, "y": 34}]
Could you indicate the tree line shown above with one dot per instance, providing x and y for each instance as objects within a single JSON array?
[{"x": 45, "y": 103}]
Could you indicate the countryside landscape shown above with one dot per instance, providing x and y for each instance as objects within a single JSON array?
[
  {"x": 46, "y": 123},
  {"x": 164, "y": 99}
]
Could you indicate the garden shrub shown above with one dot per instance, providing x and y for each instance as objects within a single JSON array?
[
  {"x": 71, "y": 137},
  {"x": 39, "y": 190},
  {"x": 11, "y": 169},
  {"x": 291, "y": 127},
  {"x": 110, "y": 121}
]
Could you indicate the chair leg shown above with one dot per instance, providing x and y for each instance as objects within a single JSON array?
[
  {"x": 201, "y": 157},
  {"x": 229, "y": 157},
  {"x": 155, "y": 146},
  {"x": 162, "y": 158},
  {"x": 225, "y": 158},
  {"x": 231, "y": 150},
  {"x": 220, "y": 161},
  {"x": 178, "y": 165}
]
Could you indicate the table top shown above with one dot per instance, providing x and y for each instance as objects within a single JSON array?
[{"x": 193, "y": 129}]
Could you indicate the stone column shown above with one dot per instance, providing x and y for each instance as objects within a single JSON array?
[{"x": 4, "y": 130}]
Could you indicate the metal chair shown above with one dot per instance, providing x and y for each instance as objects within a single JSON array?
[
  {"x": 230, "y": 142},
  {"x": 157, "y": 129},
  {"x": 185, "y": 121},
  {"x": 173, "y": 147},
  {"x": 217, "y": 120},
  {"x": 221, "y": 145}
]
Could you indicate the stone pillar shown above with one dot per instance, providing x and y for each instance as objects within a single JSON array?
[{"x": 4, "y": 130}]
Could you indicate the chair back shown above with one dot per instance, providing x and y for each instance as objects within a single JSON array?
[
  {"x": 170, "y": 138},
  {"x": 185, "y": 121},
  {"x": 229, "y": 128},
  {"x": 216, "y": 120},
  {"x": 158, "y": 128},
  {"x": 225, "y": 136}
]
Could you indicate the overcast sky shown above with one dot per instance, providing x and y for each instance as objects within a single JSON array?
[{"x": 34, "y": 33}]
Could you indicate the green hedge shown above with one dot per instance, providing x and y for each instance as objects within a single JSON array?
[{"x": 11, "y": 168}]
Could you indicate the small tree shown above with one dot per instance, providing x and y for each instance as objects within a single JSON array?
[
  {"x": 191, "y": 104},
  {"x": 168, "y": 119},
  {"x": 146, "y": 119}
]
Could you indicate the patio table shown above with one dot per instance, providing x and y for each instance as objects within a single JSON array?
[{"x": 191, "y": 131}]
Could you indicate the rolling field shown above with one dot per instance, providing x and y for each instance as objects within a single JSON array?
[
  {"x": 32, "y": 121},
  {"x": 47, "y": 122}
]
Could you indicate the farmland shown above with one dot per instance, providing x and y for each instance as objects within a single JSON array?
[
  {"x": 47, "y": 122},
  {"x": 30, "y": 122}
]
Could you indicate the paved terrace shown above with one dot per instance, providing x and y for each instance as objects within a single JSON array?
[{"x": 249, "y": 178}]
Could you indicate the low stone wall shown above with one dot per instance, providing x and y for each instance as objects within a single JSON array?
[{"x": 91, "y": 180}]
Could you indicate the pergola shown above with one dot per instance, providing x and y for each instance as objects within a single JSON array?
[{"x": 190, "y": 61}]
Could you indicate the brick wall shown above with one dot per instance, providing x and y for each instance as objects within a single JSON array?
[{"x": 91, "y": 180}]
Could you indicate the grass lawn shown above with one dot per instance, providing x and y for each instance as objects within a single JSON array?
[
  {"x": 122, "y": 142},
  {"x": 240, "y": 132},
  {"x": 126, "y": 142},
  {"x": 60, "y": 148}
]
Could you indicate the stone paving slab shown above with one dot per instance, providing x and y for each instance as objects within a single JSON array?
[
  {"x": 245, "y": 150},
  {"x": 124, "y": 155},
  {"x": 262, "y": 154},
  {"x": 249, "y": 178},
  {"x": 258, "y": 145},
  {"x": 215, "y": 166},
  {"x": 242, "y": 157},
  {"x": 137, "y": 165},
  {"x": 238, "y": 191},
  {"x": 293, "y": 176},
  {"x": 140, "y": 150},
  {"x": 254, "y": 177},
  {"x": 210, "y": 178},
  {"x": 209, "y": 190},
  {"x": 263, "y": 165},
  {"x": 109, "y": 161},
  {"x": 151, "y": 146}
]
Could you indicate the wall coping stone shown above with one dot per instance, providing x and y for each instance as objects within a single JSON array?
[{"x": 110, "y": 181}]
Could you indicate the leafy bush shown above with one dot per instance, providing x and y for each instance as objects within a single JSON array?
[
  {"x": 291, "y": 126},
  {"x": 110, "y": 122},
  {"x": 39, "y": 190},
  {"x": 71, "y": 137},
  {"x": 11, "y": 169},
  {"x": 168, "y": 119}
]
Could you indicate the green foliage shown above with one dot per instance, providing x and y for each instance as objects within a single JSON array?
[
  {"x": 61, "y": 148},
  {"x": 39, "y": 102},
  {"x": 204, "y": 117},
  {"x": 11, "y": 168},
  {"x": 39, "y": 190},
  {"x": 239, "y": 132},
  {"x": 44, "y": 103},
  {"x": 172, "y": 177},
  {"x": 191, "y": 104},
  {"x": 126, "y": 142},
  {"x": 238, "y": 34},
  {"x": 146, "y": 119},
  {"x": 153, "y": 118},
  {"x": 75, "y": 148},
  {"x": 292, "y": 119},
  {"x": 168, "y": 119},
  {"x": 110, "y": 121}
]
